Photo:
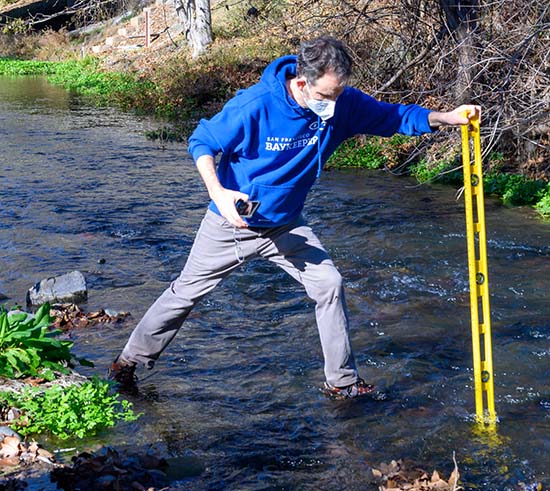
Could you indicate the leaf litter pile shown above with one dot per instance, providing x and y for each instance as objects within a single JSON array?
[
  {"x": 396, "y": 477},
  {"x": 69, "y": 316},
  {"x": 14, "y": 451}
]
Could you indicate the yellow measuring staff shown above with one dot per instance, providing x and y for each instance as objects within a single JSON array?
[{"x": 477, "y": 265}]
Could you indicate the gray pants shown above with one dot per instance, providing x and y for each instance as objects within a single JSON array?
[{"x": 217, "y": 251}]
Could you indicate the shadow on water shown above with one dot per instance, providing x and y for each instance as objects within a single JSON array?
[{"x": 239, "y": 386}]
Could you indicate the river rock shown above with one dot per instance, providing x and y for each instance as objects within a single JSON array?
[
  {"x": 70, "y": 287},
  {"x": 7, "y": 431}
]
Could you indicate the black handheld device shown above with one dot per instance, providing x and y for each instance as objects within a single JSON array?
[{"x": 246, "y": 208}]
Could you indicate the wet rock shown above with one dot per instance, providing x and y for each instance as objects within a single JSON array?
[
  {"x": 183, "y": 467},
  {"x": 113, "y": 470},
  {"x": 3, "y": 297},
  {"x": 7, "y": 431},
  {"x": 70, "y": 287}
]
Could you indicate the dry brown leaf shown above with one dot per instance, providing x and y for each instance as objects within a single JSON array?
[
  {"x": 439, "y": 485},
  {"x": 376, "y": 473},
  {"x": 44, "y": 453},
  {"x": 453, "y": 479},
  {"x": 34, "y": 381},
  {"x": 10, "y": 446},
  {"x": 13, "y": 460}
]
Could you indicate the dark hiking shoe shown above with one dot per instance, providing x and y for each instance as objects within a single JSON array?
[
  {"x": 358, "y": 389},
  {"x": 123, "y": 373}
]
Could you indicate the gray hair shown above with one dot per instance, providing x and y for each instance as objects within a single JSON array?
[{"x": 321, "y": 55}]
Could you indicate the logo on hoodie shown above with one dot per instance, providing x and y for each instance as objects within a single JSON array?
[{"x": 283, "y": 143}]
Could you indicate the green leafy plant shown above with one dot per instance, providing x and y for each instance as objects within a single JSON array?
[
  {"x": 355, "y": 153},
  {"x": 66, "y": 412},
  {"x": 371, "y": 152},
  {"x": 29, "y": 348},
  {"x": 543, "y": 206},
  {"x": 515, "y": 189},
  {"x": 426, "y": 172},
  {"x": 15, "y": 26}
]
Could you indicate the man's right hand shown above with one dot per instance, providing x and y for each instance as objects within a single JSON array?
[{"x": 224, "y": 199}]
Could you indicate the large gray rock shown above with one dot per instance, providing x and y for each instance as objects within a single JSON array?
[{"x": 70, "y": 287}]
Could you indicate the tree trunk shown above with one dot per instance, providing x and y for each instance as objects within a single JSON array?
[
  {"x": 196, "y": 20},
  {"x": 461, "y": 18}
]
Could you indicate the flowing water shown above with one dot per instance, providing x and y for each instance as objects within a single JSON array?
[{"x": 238, "y": 389}]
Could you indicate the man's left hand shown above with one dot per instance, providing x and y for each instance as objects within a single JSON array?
[{"x": 459, "y": 116}]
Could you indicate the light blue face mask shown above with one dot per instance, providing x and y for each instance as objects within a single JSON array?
[{"x": 323, "y": 108}]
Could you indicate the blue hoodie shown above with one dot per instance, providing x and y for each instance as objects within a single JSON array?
[{"x": 273, "y": 149}]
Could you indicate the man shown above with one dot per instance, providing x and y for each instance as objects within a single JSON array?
[{"x": 274, "y": 139}]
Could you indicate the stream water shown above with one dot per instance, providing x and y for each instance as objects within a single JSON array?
[{"x": 81, "y": 188}]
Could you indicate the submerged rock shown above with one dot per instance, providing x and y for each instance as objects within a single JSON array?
[
  {"x": 111, "y": 469},
  {"x": 70, "y": 287}
]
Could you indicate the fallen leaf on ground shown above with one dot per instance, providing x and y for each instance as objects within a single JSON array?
[
  {"x": 69, "y": 316},
  {"x": 396, "y": 477}
]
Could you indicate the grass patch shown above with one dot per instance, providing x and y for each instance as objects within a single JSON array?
[{"x": 446, "y": 171}]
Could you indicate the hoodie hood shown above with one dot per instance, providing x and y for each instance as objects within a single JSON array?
[{"x": 275, "y": 76}]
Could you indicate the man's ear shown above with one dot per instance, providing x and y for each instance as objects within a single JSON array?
[{"x": 301, "y": 82}]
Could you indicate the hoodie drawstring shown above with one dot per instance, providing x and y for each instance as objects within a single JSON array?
[{"x": 319, "y": 162}]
